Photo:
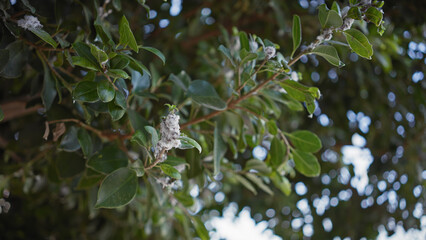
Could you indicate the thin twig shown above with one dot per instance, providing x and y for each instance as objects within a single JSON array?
[
  {"x": 158, "y": 160},
  {"x": 83, "y": 125}
]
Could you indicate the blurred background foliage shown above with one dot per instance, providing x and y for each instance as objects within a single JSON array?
[{"x": 370, "y": 119}]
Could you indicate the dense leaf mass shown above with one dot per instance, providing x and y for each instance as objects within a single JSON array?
[{"x": 147, "y": 119}]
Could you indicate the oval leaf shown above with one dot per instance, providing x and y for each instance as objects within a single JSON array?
[
  {"x": 329, "y": 53},
  {"x": 170, "y": 171},
  {"x": 157, "y": 53},
  {"x": 277, "y": 152},
  {"x": 117, "y": 189},
  {"x": 359, "y": 43},
  {"x": 306, "y": 163},
  {"x": 44, "y": 36},
  {"x": 204, "y": 93},
  {"x": 191, "y": 142},
  {"x": 126, "y": 36},
  {"x": 86, "y": 91},
  {"x": 106, "y": 91},
  {"x": 305, "y": 141}
]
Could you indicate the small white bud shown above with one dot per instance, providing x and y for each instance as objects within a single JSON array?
[
  {"x": 29, "y": 22},
  {"x": 269, "y": 52}
]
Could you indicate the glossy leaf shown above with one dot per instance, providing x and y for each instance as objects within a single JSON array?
[
  {"x": 89, "y": 179},
  {"x": 108, "y": 159},
  {"x": 106, "y": 91},
  {"x": 86, "y": 91},
  {"x": 119, "y": 62},
  {"x": 282, "y": 183},
  {"x": 306, "y": 163},
  {"x": 277, "y": 152},
  {"x": 297, "y": 34},
  {"x": 329, "y": 53},
  {"x": 99, "y": 54},
  {"x": 305, "y": 140},
  {"x": 84, "y": 62},
  {"x": 140, "y": 82},
  {"x": 272, "y": 127},
  {"x": 374, "y": 15},
  {"x": 44, "y": 36},
  {"x": 354, "y": 13},
  {"x": 190, "y": 141},
  {"x": 170, "y": 171},
  {"x": 244, "y": 41},
  {"x": 117, "y": 73},
  {"x": 359, "y": 43},
  {"x": 294, "y": 89},
  {"x": 117, "y": 189},
  {"x": 126, "y": 35},
  {"x": 116, "y": 112},
  {"x": 69, "y": 141},
  {"x": 83, "y": 50},
  {"x": 157, "y": 52},
  {"x": 204, "y": 93}
]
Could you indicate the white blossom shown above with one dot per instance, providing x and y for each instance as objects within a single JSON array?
[
  {"x": 269, "y": 52},
  {"x": 347, "y": 24},
  {"x": 170, "y": 133},
  {"x": 29, "y": 22}
]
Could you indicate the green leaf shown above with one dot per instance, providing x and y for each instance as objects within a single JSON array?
[
  {"x": 277, "y": 152},
  {"x": 105, "y": 90},
  {"x": 83, "y": 50},
  {"x": 117, "y": 73},
  {"x": 329, "y": 53},
  {"x": 137, "y": 65},
  {"x": 295, "y": 89},
  {"x": 200, "y": 228},
  {"x": 204, "y": 93},
  {"x": 244, "y": 41},
  {"x": 297, "y": 34},
  {"x": 157, "y": 52},
  {"x": 329, "y": 18},
  {"x": 108, "y": 159},
  {"x": 69, "y": 141},
  {"x": 154, "y": 134},
  {"x": 374, "y": 15},
  {"x": 17, "y": 58},
  {"x": 119, "y": 62},
  {"x": 310, "y": 103},
  {"x": 219, "y": 150},
  {"x": 48, "y": 93},
  {"x": 1, "y": 115},
  {"x": 257, "y": 165},
  {"x": 190, "y": 141},
  {"x": 86, "y": 91},
  {"x": 227, "y": 53},
  {"x": 259, "y": 182},
  {"x": 140, "y": 82},
  {"x": 117, "y": 189},
  {"x": 271, "y": 125},
  {"x": 44, "y": 36},
  {"x": 353, "y": 2},
  {"x": 170, "y": 171},
  {"x": 139, "y": 138},
  {"x": 99, "y": 54},
  {"x": 354, "y": 13},
  {"x": 281, "y": 183},
  {"x": 247, "y": 58},
  {"x": 359, "y": 43},
  {"x": 305, "y": 140},
  {"x": 103, "y": 33},
  {"x": 85, "y": 142},
  {"x": 335, "y": 6},
  {"x": 84, "y": 62},
  {"x": 115, "y": 111},
  {"x": 69, "y": 164},
  {"x": 322, "y": 14},
  {"x": 246, "y": 184},
  {"x": 126, "y": 36},
  {"x": 182, "y": 80},
  {"x": 306, "y": 163},
  {"x": 120, "y": 100}
]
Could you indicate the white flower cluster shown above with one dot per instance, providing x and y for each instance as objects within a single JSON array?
[
  {"x": 170, "y": 133},
  {"x": 347, "y": 24},
  {"x": 29, "y": 22},
  {"x": 269, "y": 52}
]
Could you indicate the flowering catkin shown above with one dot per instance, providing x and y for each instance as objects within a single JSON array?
[
  {"x": 170, "y": 133},
  {"x": 29, "y": 22}
]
